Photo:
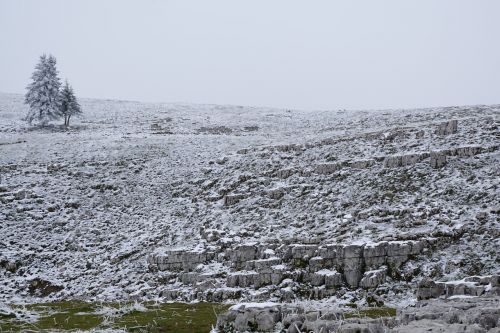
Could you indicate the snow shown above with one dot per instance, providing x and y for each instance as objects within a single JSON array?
[
  {"x": 109, "y": 311},
  {"x": 84, "y": 208},
  {"x": 461, "y": 282},
  {"x": 327, "y": 272},
  {"x": 21, "y": 314},
  {"x": 254, "y": 305},
  {"x": 461, "y": 296},
  {"x": 243, "y": 273},
  {"x": 278, "y": 267},
  {"x": 375, "y": 271}
]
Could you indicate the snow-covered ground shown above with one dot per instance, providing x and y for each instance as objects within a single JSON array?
[{"x": 84, "y": 208}]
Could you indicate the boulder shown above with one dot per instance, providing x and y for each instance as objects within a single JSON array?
[
  {"x": 372, "y": 279},
  {"x": 317, "y": 279},
  {"x": 427, "y": 289},
  {"x": 361, "y": 164},
  {"x": 261, "y": 317},
  {"x": 398, "y": 252},
  {"x": 262, "y": 265},
  {"x": 232, "y": 199},
  {"x": 474, "y": 314},
  {"x": 404, "y": 160},
  {"x": 189, "y": 278},
  {"x": 242, "y": 279},
  {"x": 447, "y": 128},
  {"x": 332, "y": 278},
  {"x": 242, "y": 253},
  {"x": 302, "y": 251},
  {"x": 437, "y": 159},
  {"x": 285, "y": 173},
  {"x": 426, "y": 325},
  {"x": 464, "y": 289},
  {"x": 327, "y": 168},
  {"x": 276, "y": 193},
  {"x": 466, "y": 151},
  {"x": 353, "y": 264},
  {"x": 331, "y": 254},
  {"x": 375, "y": 254},
  {"x": 326, "y": 277},
  {"x": 316, "y": 264},
  {"x": 289, "y": 148},
  {"x": 180, "y": 259}
]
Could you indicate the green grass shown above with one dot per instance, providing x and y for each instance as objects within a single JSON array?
[
  {"x": 72, "y": 316},
  {"x": 372, "y": 313}
]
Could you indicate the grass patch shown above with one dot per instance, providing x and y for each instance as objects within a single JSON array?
[
  {"x": 147, "y": 317},
  {"x": 372, "y": 313}
]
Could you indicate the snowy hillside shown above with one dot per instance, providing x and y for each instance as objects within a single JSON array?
[{"x": 99, "y": 211}]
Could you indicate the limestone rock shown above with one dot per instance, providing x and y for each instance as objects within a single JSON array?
[
  {"x": 477, "y": 314},
  {"x": 301, "y": 251},
  {"x": 332, "y": 279},
  {"x": 404, "y": 160},
  {"x": 361, "y": 164},
  {"x": 426, "y": 325},
  {"x": 289, "y": 148},
  {"x": 375, "y": 254},
  {"x": 242, "y": 279},
  {"x": 180, "y": 259},
  {"x": 327, "y": 168},
  {"x": 250, "y": 317},
  {"x": 232, "y": 199},
  {"x": 437, "y": 159},
  {"x": 332, "y": 255},
  {"x": 262, "y": 264},
  {"x": 317, "y": 279},
  {"x": 373, "y": 279},
  {"x": 397, "y": 253},
  {"x": 285, "y": 173},
  {"x": 466, "y": 151},
  {"x": 242, "y": 253},
  {"x": 326, "y": 277},
  {"x": 276, "y": 193},
  {"x": 427, "y": 289},
  {"x": 353, "y": 264},
  {"x": 316, "y": 264},
  {"x": 447, "y": 128}
]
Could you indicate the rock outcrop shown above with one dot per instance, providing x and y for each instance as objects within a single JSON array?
[
  {"x": 447, "y": 128},
  {"x": 372, "y": 279},
  {"x": 475, "y": 315},
  {"x": 404, "y": 160},
  {"x": 472, "y": 286},
  {"x": 254, "y": 265},
  {"x": 180, "y": 260},
  {"x": 438, "y": 159},
  {"x": 327, "y": 168},
  {"x": 232, "y": 199},
  {"x": 250, "y": 317}
]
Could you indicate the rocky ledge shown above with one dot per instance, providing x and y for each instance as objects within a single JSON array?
[
  {"x": 311, "y": 270},
  {"x": 446, "y": 315}
]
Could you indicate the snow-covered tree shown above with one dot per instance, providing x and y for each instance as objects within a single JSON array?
[
  {"x": 69, "y": 104},
  {"x": 43, "y": 93}
]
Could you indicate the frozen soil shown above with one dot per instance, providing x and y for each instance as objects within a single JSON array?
[{"x": 82, "y": 209}]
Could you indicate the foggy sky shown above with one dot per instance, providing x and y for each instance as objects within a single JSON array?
[{"x": 296, "y": 54}]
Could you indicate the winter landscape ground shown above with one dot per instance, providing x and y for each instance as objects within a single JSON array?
[{"x": 324, "y": 221}]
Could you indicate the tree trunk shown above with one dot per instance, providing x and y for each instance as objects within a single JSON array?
[{"x": 68, "y": 120}]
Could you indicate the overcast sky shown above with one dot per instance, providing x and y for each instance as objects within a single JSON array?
[{"x": 285, "y": 53}]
